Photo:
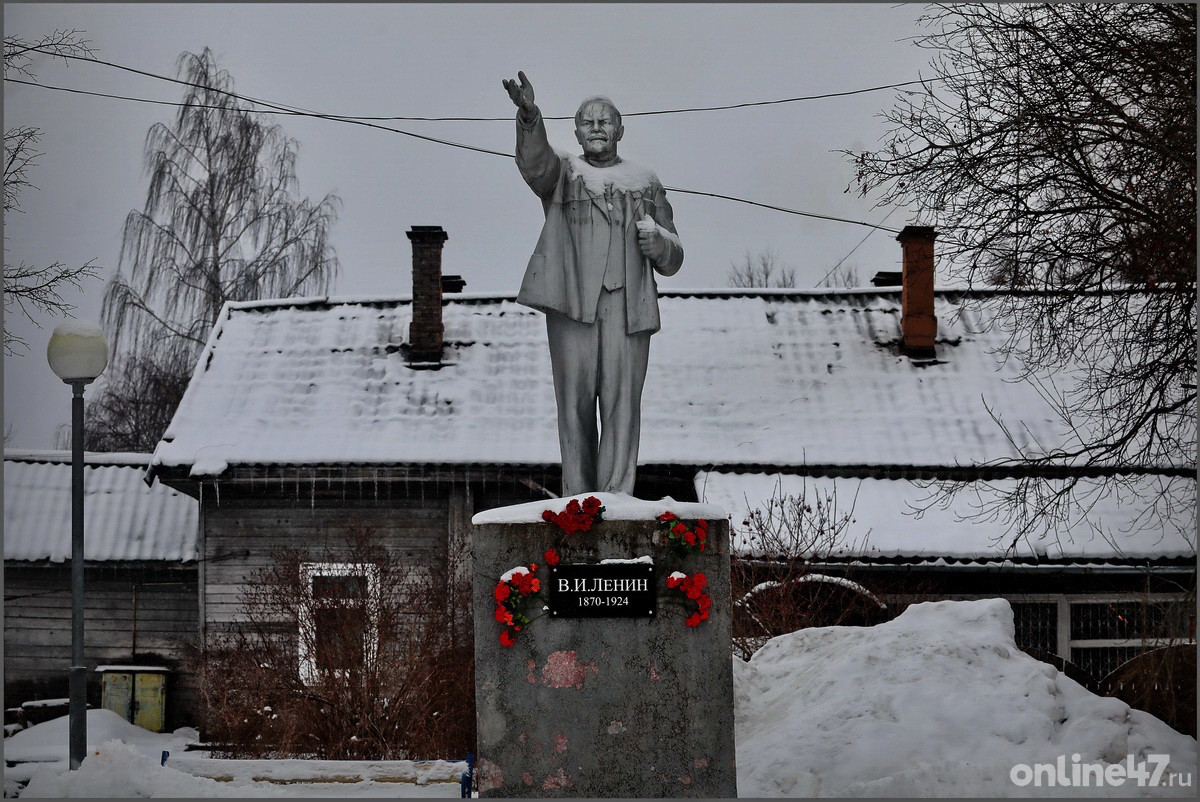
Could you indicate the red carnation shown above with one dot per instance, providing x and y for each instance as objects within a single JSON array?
[
  {"x": 668, "y": 516},
  {"x": 693, "y": 620},
  {"x": 502, "y": 591},
  {"x": 507, "y": 639},
  {"x": 551, "y": 557}
]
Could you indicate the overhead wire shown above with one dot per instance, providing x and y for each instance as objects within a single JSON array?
[
  {"x": 860, "y": 242},
  {"x": 370, "y": 122},
  {"x": 464, "y": 118}
]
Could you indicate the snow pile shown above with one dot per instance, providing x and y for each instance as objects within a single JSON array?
[
  {"x": 617, "y": 507},
  {"x": 47, "y": 742},
  {"x": 938, "y": 702}
]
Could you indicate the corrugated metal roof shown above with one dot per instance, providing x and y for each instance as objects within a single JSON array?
[
  {"x": 124, "y": 518},
  {"x": 889, "y": 518},
  {"x": 737, "y": 378}
]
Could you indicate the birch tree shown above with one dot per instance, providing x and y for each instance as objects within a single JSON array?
[{"x": 223, "y": 221}]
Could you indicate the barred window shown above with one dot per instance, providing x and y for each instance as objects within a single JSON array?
[
  {"x": 1036, "y": 625},
  {"x": 1106, "y": 634},
  {"x": 1129, "y": 620}
]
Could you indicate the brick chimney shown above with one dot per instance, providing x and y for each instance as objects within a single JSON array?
[
  {"x": 425, "y": 331},
  {"x": 918, "y": 325}
]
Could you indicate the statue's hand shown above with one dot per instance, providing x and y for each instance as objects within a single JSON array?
[
  {"x": 521, "y": 94},
  {"x": 651, "y": 241}
]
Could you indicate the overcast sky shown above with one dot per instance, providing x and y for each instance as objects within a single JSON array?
[{"x": 449, "y": 60}]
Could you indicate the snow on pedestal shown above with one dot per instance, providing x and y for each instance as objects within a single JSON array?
[{"x": 635, "y": 706}]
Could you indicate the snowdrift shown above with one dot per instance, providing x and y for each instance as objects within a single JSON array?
[
  {"x": 47, "y": 741},
  {"x": 938, "y": 702}
]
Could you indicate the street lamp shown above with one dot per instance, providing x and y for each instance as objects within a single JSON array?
[{"x": 77, "y": 354}]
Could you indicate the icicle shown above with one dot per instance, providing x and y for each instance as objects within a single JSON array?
[
  {"x": 312, "y": 492},
  {"x": 375, "y": 481},
  {"x": 217, "y": 490}
]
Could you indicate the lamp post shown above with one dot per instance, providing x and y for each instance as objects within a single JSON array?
[{"x": 77, "y": 354}]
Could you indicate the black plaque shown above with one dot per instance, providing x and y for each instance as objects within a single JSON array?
[{"x": 602, "y": 590}]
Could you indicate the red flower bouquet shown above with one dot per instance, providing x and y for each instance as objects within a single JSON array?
[
  {"x": 512, "y": 589},
  {"x": 693, "y": 588},
  {"x": 576, "y": 517},
  {"x": 683, "y": 537}
]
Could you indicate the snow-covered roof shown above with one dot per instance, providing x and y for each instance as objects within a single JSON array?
[
  {"x": 900, "y": 519},
  {"x": 772, "y": 378},
  {"x": 124, "y": 518}
]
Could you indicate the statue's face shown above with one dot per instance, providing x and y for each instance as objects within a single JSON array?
[{"x": 598, "y": 131}]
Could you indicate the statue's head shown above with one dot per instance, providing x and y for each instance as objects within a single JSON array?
[{"x": 598, "y": 127}]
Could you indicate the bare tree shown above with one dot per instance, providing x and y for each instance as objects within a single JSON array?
[
  {"x": 137, "y": 404},
  {"x": 221, "y": 222},
  {"x": 1054, "y": 151},
  {"x": 763, "y": 270},
  {"x": 31, "y": 289},
  {"x": 843, "y": 276}
]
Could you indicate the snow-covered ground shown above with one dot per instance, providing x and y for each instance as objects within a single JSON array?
[
  {"x": 124, "y": 760},
  {"x": 938, "y": 702}
]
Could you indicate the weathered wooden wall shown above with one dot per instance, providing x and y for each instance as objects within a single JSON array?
[
  {"x": 243, "y": 535},
  {"x": 135, "y": 613}
]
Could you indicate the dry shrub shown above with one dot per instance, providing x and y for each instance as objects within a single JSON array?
[
  {"x": 370, "y": 659},
  {"x": 778, "y": 590}
]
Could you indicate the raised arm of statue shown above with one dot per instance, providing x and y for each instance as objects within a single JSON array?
[
  {"x": 537, "y": 161},
  {"x": 522, "y": 96}
]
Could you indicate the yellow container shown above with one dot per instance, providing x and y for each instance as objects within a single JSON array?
[{"x": 136, "y": 693}]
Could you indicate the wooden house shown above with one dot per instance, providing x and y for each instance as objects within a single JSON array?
[
  {"x": 140, "y": 576},
  {"x": 410, "y": 414}
]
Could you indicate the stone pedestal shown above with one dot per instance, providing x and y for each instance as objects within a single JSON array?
[{"x": 638, "y": 706}]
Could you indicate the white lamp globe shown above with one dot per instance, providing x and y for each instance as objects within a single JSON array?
[{"x": 77, "y": 351}]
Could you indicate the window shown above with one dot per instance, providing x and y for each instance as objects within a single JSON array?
[
  {"x": 339, "y": 627},
  {"x": 1036, "y": 625},
  {"x": 1105, "y": 634},
  {"x": 1100, "y": 633}
]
